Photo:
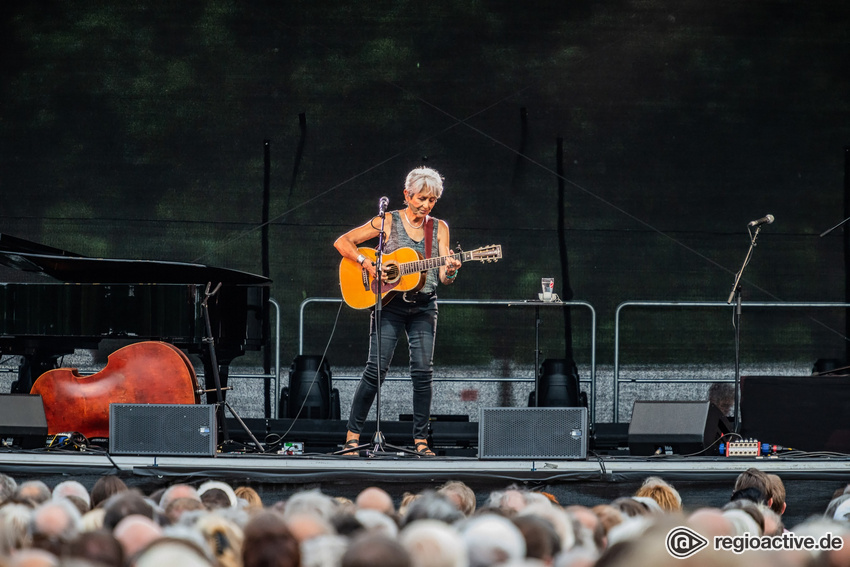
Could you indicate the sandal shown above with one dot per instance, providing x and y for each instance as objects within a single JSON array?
[
  {"x": 422, "y": 449},
  {"x": 349, "y": 446}
]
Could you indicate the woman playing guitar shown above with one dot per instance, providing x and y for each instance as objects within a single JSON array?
[{"x": 413, "y": 313}]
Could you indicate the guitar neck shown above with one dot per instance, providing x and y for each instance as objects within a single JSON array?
[{"x": 430, "y": 263}]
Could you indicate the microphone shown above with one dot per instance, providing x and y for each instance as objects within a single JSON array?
[
  {"x": 383, "y": 202},
  {"x": 767, "y": 219}
]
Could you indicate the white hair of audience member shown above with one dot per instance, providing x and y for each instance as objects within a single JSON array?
[
  {"x": 817, "y": 528},
  {"x": 631, "y": 528},
  {"x": 834, "y": 504},
  {"x": 71, "y": 488},
  {"x": 311, "y": 502},
  {"x": 224, "y": 487},
  {"x": 93, "y": 519},
  {"x": 432, "y": 543},
  {"x": 377, "y": 522},
  {"x": 842, "y": 512},
  {"x": 492, "y": 540},
  {"x": 323, "y": 551},
  {"x": 14, "y": 527},
  {"x": 577, "y": 557},
  {"x": 57, "y": 518},
  {"x": 772, "y": 520},
  {"x": 170, "y": 553},
  {"x": 558, "y": 517},
  {"x": 187, "y": 532},
  {"x": 432, "y": 505},
  {"x": 8, "y": 485},
  {"x": 536, "y": 498},
  {"x": 742, "y": 522},
  {"x": 650, "y": 503},
  {"x": 509, "y": 499}
]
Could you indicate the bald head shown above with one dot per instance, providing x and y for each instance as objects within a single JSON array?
[
  {"x": 374, "y": 498},
  {"x": 135, "y": 532},
  {"x": 711, "y": 522}
]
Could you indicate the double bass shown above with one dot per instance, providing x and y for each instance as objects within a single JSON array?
[{"x": 151, "y": 372}]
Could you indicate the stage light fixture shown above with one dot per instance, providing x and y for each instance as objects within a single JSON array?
[
  {"x": 310, "y": 386},
  {"x": 558, "y": 384}
]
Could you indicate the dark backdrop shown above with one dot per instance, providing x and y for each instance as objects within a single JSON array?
[{"x": 136, "y": 130}]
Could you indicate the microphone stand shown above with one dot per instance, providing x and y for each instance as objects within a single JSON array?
[
  {"x": 219, "y": 410},
  {"x": 379, "y": 443},
  {"x": 735, "y": 296}
]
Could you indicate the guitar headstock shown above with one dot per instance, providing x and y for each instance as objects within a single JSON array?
[{"x": 490, "y": 253}]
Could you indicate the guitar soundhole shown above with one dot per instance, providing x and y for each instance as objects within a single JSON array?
[{"x": 392, "y": 271}]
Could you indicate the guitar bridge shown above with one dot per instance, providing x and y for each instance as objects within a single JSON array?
[{"x": 365, "y": 274}]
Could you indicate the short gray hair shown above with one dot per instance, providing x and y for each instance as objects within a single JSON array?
[{"x": 424, "y": 179}]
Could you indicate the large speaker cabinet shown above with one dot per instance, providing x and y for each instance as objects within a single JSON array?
[
  {"x": 532, "y": 433},
  {"x": 162, "y": 429}
]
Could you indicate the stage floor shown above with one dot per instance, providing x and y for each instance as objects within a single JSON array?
[{"x": 702, "y": 481}]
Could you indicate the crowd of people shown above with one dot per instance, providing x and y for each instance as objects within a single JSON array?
[{"x": 216, "y": 524}]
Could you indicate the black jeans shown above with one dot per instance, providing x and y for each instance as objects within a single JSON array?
[{"x": 418, "y": 321}]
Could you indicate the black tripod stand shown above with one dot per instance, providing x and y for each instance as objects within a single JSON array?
[
  {"x": 378, "y": 446},
  {"x": 221, "y": 403}
]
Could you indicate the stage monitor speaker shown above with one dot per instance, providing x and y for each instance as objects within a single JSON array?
[
  {"x": 679, "y": 427},
  {"x": 22, "y": 421},
  {"x": 162, "y": 429},
  {"x": 532, "y": 433}
]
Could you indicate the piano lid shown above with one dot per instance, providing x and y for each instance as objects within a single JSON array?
[{"x": 73, "y": 268}]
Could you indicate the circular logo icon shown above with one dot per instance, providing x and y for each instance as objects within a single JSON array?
[{"x": 683, "y": 542}]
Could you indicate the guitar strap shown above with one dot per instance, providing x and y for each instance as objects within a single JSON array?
[{"x": 429, "y": 235}]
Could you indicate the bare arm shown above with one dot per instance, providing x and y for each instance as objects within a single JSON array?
[
  {"x": 449, "y": 271},
  {"x": 346, "y": 244}
]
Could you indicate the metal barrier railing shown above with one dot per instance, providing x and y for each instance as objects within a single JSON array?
[
  {"x": 591, "y": 382},
  {"x": 702, "y": 304}
]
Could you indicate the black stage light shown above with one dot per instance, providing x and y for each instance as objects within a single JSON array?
[
  {"x": 558, "y": 385},
  {"x": 310, "y": 394}
]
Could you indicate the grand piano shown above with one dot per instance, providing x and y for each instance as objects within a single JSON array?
[{"x": 79, "y": 301}]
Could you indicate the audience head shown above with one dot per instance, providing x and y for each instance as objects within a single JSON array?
[
  {"x": 776, "y": 491},
  {"x": 491, "y": 539},
  {"x": 268, "y": 542},
  {"x": 7, "y": 487},
  {"x": 374, "y": 498},
  {"x": 176, "y": 491},
  {"x": 754, "y": 478},
  {"x": 432, "y": 543},
  {"x": 251, "y": 498},
  {"x": 174, "y": 552},
  {"x": 72, "y": 488},
  {"x": 100, "y": 547},
  {"x": 541, "y": 540},
  {"x": 134, "y": 532},
  {"x": 432, "y": 505},
  {"x": 33, "y": 491},
  {"x": 215, "y": 495},
  {"x": 459, "y": 494},
  {"x": 661, "y": 492},
  {"x": 53, "y": 524},
  {"x": 371, "y": 550},
  {"x": 105, "y": 487},
  {"x": 124, "y": 504}
]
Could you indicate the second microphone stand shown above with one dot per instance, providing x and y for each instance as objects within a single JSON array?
[
  {"x": 378, "y": 446},
  {"x": 735, "y": 296}
]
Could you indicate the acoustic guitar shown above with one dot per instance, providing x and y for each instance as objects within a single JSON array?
[{"x": 406, "y": 271}]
